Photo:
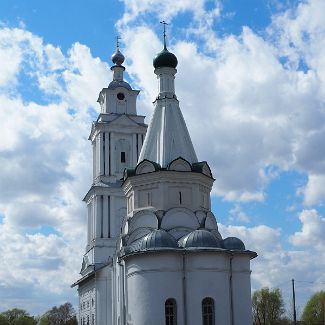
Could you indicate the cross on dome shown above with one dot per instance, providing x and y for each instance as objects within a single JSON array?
[
  {"x": 165, "y": 58},
  {"x": 164, "y": 23},
  {"x": 118, "y": 42},
  {"x": 118, "y": 58}
]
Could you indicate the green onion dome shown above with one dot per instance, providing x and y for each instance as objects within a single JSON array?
[{"x": 165, "y": 59}]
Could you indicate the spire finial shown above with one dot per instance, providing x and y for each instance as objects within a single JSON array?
[{"x": 164, "y": 23}]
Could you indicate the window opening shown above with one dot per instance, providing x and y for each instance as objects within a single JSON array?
[
  {"x": 101, "y": 223},
  {"x": 137, "y": 146},
  {"x": 123, "y": 157},
  {"x": 109, "y": 154},
  {"x": 208, "y": 311},
  {"x": 170, "y": 312},
  {"x": 120, "y": 96},
  {"x": 180, "y": 197}
]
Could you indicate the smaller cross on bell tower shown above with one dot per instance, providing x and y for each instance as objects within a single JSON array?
[{"x": 117, "y": 42}]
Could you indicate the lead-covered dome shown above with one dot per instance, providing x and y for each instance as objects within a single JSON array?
[
  {"x": 118, "y": 58},
  {"x": 119, "y": 83},
  {"x": 233, "y": 243},
  {"x": 199, "y": 238},
  {"x": 165, "y": 59},
  {"x": 158, "y": 239}
]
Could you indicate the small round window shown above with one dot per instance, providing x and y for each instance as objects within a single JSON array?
[{"x": 120, "y": 96}]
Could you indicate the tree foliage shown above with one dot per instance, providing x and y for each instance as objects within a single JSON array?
[
  {"x": 314, "y": 312},
  {"x": 267, "y": 306},
  {"x": 62, "y": 315},
  {"x": 3, "y": 320},
  {"x": 16, "y": 317}
]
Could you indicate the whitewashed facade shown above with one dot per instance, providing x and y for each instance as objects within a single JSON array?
[{"x": 154, "y": 254}]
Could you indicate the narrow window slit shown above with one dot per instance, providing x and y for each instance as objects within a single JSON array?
[{"x": 123, "y": 157}]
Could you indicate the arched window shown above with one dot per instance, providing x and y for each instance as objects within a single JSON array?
[
  {"x": 171, "y": 311},
  {"x": 208, "y": 311}
]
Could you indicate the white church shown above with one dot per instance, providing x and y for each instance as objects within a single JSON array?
[{"x": 154, "y": 255}]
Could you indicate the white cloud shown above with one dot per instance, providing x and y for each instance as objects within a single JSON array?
[
  {"x": 45, "y": 166},
  {"x": 254, "y": 106},
  {"x": 246, "y": 111},
  {"x": 261, "y": 237},
  {"x": 276, "y": 265},
  {"x": 255, "y": 111},
  {"x": 236, "y": 214},
  {"x": 314, "y": 192},
  {"x": 312, "y": 233},
  {"x": 167, "y": 10}
]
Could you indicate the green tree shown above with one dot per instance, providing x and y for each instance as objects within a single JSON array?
[
  {"x": 314, "y": 311},
  {"x": 24, "y": 320},
  {"x": 14, "y": 314},
  {"x": 267, "y": 306},
  {"x": 62, "y": 315},
  {"x": 44, "y": 320},
  {"x": 3, "y": 320},
  {"x": 16, "y": 317}
]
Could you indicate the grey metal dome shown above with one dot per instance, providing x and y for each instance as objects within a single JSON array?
[
  {"x": 199, "y": 238},
  {"x": 117, "y": 83},
  {"x": 118, "y": 58},
  {"x": 134, "y": 247},
  {"x": 233, "y": 243},
  {"x": 157, "y": 239}
]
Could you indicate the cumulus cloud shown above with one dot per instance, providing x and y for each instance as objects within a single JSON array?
[
  {"x": 236, "y": 214},
  {"x": 312, "y": 232},
  {"x": 256, "y": 109},
  {"x": 169, "y": 9},
  {"x": 254, "y": 106},
  {"x": 276, "y": 264},
  {"x": 45, "y": 164},
  {"x": 314, "y": 191}
]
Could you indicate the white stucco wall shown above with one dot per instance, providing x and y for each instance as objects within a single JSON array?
[
  {"x": 156, "y": 276},
  {"x": 242, "y": 290}
]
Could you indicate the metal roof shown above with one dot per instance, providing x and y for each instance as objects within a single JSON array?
[
  {"x": 233, "y": 243},
  {"x": 199, "y": 238}
]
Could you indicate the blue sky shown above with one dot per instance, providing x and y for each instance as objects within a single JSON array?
[{"x": 251, "y": 87}]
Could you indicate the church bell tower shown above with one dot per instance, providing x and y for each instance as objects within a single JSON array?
[{"x": 117, "y": 137}]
